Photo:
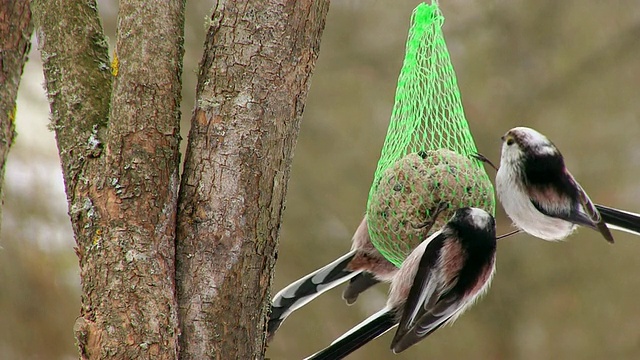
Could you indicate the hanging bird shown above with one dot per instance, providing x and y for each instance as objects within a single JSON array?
[
  {"x": 364, "y": 266},
  {"x": 437, "y": 282},
  {"x": 541, "y": 196},
  {"x": 415, "y": 197}
]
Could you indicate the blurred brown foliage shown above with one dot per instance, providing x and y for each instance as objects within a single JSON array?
[
  {"x": 566, "y": 68},
  {"x": 39, "y": 283}
]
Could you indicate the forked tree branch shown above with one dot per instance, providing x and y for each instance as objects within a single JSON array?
[{"x": 121, "y": 175}]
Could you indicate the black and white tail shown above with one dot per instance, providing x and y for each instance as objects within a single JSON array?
[
  {"x": 376, "y": 325},
  {"x": 620, "y": 219},
  {"x": 308, "y": 288}
]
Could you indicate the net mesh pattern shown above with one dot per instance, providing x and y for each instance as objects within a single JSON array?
[{"x": 426, "y": 171}]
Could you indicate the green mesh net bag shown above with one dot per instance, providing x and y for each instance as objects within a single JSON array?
[{"x": 426, "y": 171}]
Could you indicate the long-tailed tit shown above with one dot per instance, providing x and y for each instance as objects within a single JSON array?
[
  {"x": 541, "y": 196},
  {"x": 441, "y": 278}
]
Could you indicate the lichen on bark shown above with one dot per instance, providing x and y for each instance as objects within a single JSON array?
[{"x": 118, "y": 144}]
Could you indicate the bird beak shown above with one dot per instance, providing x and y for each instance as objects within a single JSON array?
[{"x": 502, "y": 137}]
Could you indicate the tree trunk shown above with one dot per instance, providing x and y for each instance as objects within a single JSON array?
[
  {"x": 252, "y": 86},
  {"x": 118, "y": 143},
  {"x": 15, "y": 42},
  {"x": 121, "y": 175}
]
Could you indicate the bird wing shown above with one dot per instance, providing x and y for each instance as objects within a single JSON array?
[
  {"x": 549, "y": 202},
  {"x": 430, "y": 303}
]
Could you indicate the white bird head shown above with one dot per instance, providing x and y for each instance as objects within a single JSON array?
[
  {"x": 523, "y": 141},
  {"x": 480, "y": 219}
]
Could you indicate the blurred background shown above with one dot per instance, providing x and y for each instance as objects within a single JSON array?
[{"x": 567, "y": 68}]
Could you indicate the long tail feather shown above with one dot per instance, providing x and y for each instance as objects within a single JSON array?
[
  {"x": 376, "y": 325},
  {"x": 620, "y": 219},
  {"x": 308, "y": 288}
]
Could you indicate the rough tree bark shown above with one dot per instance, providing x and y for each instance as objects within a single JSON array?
[
  {"x": 118, "y": 143},
  {"x": 252, "y": 87},
  {"x": 121, "y": 174},
  {"x": 15, "y": 42}
]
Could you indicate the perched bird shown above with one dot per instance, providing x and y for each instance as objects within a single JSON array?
[
  {"x": 441, "y": 278},
  {"x": 541, "y": 196}
]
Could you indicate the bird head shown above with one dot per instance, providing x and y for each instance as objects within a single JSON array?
[{"x": 520, "y": 142}]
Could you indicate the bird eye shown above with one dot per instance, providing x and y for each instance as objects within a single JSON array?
[{"x": 510, "y": 141}]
